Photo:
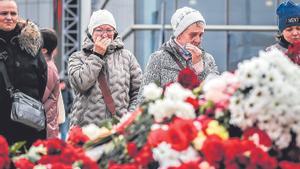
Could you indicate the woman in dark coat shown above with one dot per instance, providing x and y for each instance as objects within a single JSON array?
[{"x": 20, "y": 44}]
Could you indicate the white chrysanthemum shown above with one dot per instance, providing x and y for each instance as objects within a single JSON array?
[
  {"x": 215, "y": 83},
  {"x": 284, "y": 140},
  {"x": 176, "y": 92},
  {"x": 190, "y": 154},
  {"x": 247, "y": 75},
  {"x": 184, "y": 110},
  {"x": 157, "y": 126},
  {"x": 41, "y": 166},
  {"x": 35, "y": 152},
  {"x": 161, "y": 109},
  {"x": 166, "y": 108},
  {"x": 93, "y": 131},
  {"x": 166, "y": 156},
  {"x": 152, "y": 92},
  {"x": 268, "y": 96}
]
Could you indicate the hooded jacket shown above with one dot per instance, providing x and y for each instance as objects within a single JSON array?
[
  {"x": 123, "y": 75},
  {"x": 27, "y": 71}
]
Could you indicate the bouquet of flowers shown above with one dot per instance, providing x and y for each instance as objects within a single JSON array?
[
  {"x": 262, "y": 93},
  {"x": 268, "y": 98},
  {"x": 243, "y": 120},
  {"x": 185, "y": 125},
  {"x": 54, "y": 154}
]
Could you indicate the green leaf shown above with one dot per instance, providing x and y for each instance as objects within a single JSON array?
[{"x": 15, "y": 148}]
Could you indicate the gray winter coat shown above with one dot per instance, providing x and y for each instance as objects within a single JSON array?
[
  {"x": 123, "y": 75},
  {"x": 162, "y": 69}
]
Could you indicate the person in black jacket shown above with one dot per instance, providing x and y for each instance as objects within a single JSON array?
[{"x": 20, "y": 49}]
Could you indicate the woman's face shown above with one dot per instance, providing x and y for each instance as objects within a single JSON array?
[
  {"x": 291, "y": 34},
  {"x": 8, "y": 15},
  {"x": 103, "y": 31},
  {"x": 193, "y": 35}
]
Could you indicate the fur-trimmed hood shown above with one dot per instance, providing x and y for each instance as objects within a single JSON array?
[{"x": 30, "y": 38}]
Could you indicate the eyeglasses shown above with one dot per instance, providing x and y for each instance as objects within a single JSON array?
[{"x": 102, "y": 31}]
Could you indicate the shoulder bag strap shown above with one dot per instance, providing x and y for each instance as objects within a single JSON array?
[
  {"x": 108, "y": 100},
  {"x": 175, "y": 59},
  {"x": 9, "y": 86}
]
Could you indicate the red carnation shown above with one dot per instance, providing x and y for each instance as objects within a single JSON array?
[
  {"x": 188, "y": 165},
  {"x": 54, "y": 146},
  {"x": 181, "y": 133},
  {"x": 261, "y": 159},
  {"x": 4, "y": 153},
  {"x": 76, "y": 137},
  {"x": 155, "y": 137},
  {"x": 204, "y": 120},
  {"x": 264, "y": 139},
  {"x": 144, "y": 157},
  {"x": 60, "y": 166},
  {"x": 194, "y": 102},
  {"x": 231, "y": 150},
  {"x": 113, "y": 165},
  {"x": 288, "y": 165},
  {"x": 38, "y": 142},
  {"x": 186, "y": 127},
  {"x": 178, "y": 139},
  {"x": 213, "y": 150},
  {"x": 24, "y": 163},
  {"x": 132, "y": 149},
  {"x": 50, "y": 159},
  {"x": 188, "y": 79}
]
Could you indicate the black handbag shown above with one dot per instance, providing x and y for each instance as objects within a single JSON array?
[{"x": 25, "y": 109}]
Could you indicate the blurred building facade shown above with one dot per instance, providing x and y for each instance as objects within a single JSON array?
[{"x": 236, "y": 29}]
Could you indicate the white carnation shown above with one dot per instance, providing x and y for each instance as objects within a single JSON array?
[
  {"x": 161, "y": 109},
  {"x": 185, "y": 110},
  {"x": 176, "y": 92},
  {"x": 166, "y": 156},
  {"x": 93, "y": 131},
  {"x": 152, "y": 92}
]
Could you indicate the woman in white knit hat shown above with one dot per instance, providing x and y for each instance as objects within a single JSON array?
[
  {"x": 103, "y": 53},
  {"x": 184, "y": 46}
]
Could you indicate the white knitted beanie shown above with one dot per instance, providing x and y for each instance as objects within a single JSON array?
[
  {"x": 183, "y": 18},
  {"x": 101, "y": 17}
]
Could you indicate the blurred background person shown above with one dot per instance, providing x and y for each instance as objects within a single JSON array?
[
  {"x": 67, "y": 96},
  {"x": 50, "y": 98},
  {"x": 102, "y": 52},
  {"x": 20, "y": 45}
]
